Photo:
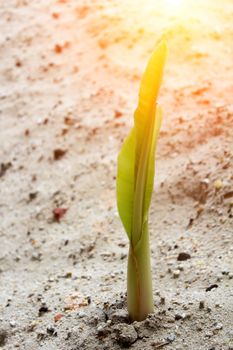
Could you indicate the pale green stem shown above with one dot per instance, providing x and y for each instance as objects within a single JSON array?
[{"x": 139, "y": 288}]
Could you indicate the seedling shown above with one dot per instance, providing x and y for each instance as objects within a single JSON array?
[{"x": 135, "y": 180}]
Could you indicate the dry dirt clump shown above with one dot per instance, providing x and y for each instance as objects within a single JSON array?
[{"x": 69, "y": 82}]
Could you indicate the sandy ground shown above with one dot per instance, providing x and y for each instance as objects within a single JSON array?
[{"x": 70, "y": 72}]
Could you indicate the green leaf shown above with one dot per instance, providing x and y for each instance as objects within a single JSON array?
[
  {"x": 151, "y": 162},
  {"x": 144, "y": 182},
  {"x": 135, "y": 176},
  {"x": 125, "y": 182}
]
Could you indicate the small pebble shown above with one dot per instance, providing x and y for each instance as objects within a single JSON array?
[
  {"x": 171, "y": 337},
  {"x": 218, "y": 326},
  {"x": 68, "y": 275},
  {"x": 176, "y": 273},
  {"x": 103, "y": 330},
  {"x": 205, "y": 182},
  {"x": 126, "y": 334},
  {"x": 212, "y": 286},
  {"x": 43, "y": 309},
  {"x": 120, "y": 316},
  {"x": 162, "y": 300},
  {"x": 208, "y": 334},
  {"x": 201, "y": 304},
  {"x": 12, "y": 324},
  {"x": 51, "y": 330},
  {"x": 218, "y": 184},
  {"x": 183, "y": 256},
  {"x": 180, "y": 316},
  {"x": 217, "y": 305},
  {"x": 36, "y": 256},
  {"x": 117, "y": 114}
]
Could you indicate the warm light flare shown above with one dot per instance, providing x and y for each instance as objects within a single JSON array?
[
  {"x": 174, "y": 7},
  {"x": 173, "y": 3},
  {"x": 177, "y": 8}
]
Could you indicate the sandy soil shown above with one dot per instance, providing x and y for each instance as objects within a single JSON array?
[{"x": 70, "y": 72}]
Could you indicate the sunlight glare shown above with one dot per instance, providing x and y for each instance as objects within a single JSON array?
[{"x": 173, "y": 3}]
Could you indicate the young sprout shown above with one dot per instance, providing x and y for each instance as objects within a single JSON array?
[{"x": 135, "y": 180}]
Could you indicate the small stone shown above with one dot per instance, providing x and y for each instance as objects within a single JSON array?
[
  {"x": 40, "y": 335},
  {"x": 212, "y": 286},
  {"x": 58, "y": 48},
  {"x": 117, "y": 114},
  {"x": 205, "y": 182},
  {"x": 162, "y": 300},
  {"x": 58, "y": 153},
  {"x": 218, "y": 184},
  {"x": 230, "y": 276},
  {"x": 183, "y": 256},
  {"x": 58, "y": 317},
  {"x": 120, "y": 316},
  {"x": 51, "y": 331},
  {"x": 82, "y": 314},
  {"x": 58, "y": 213},
  {"x": 12, "y": 323},
  {"x": 201, "y": 304},
  {"x": 125, "y": 334},
  {"x": 51, "y": 279},
  {"x": 43, "y": 309},
  {"x": 100, "y": 330},
  {"x": 171, "y": 337},
  {"x": 218, "y": 327},
  {"x": 103, "y": 330},
  {"x": 32, "y": 196},
  {"x": 68, "y": 275},
  {"x": 208, "y": 334},
  {"x": 180, "y": 316},
  {"x": 217, "y": 305},
  {"x": 36, "y": 256},
  {"x": 176, "y": 274}
]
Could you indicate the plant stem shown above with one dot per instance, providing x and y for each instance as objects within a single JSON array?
[{"x": 139, "y": 283}]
